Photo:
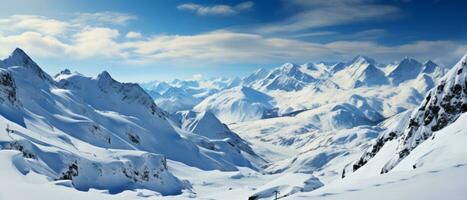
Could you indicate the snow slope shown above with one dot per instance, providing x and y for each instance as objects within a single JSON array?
[{"x": 433, "y": 170}]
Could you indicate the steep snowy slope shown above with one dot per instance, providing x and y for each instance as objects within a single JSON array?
[
  {"x": 238, "y": 104},
  {"x": 442, "y": 106}
]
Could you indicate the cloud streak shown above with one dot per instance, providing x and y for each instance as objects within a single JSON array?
[
  {"x": 324, "y": 13},
  {"x": 219, "y": 9},
  {"x": 104, "y": 18}
]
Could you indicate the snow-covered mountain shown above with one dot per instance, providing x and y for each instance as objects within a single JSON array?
[
  {"x": 361, "y": 71},
  {"x": 178, "y": 95},
  {"x": 98, "y": 132},
  {"x": 407, "y": 69},
  {"x": 292, "y": 86},
  {"x": 238, "y": 104},
  {"x": 312, "y": 131},
  {"x": 175, "y": 99},
  {"x": 288, "y": 77}
]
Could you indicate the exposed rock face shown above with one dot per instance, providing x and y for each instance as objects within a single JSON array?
[
  {"x": 7, "y": 88},
  {"x": 441, "y": 107}
]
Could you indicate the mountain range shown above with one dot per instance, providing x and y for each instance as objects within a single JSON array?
[{"x": 347, "y": 130}]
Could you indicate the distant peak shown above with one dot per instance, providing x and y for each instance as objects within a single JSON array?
[
  {"x": 104, "y": 76},
  {"x": 20, "y": 58},
  {"x": 289, "y": 67},
  {"x": 409, "y": 62},
  {"x": 361, "y": 59},
  {"x": 409, "y": 59},
  {"x": 19, "y": 52},
  {"x": 430, "y": 63},
  {"x": 65, "y": 71}
]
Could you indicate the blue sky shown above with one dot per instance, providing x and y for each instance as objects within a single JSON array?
[{"x": 154, "y": 39}]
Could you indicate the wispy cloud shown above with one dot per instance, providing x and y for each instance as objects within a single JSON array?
[
  {"x": 233, "y": 47},
  {"x": 107, "y": 17},
  {"x": 133, "y": 35},
  {"x": 314, "y": 34},
  {"x": 219, "y": 9},
  {"x": 322, "y": 13}
]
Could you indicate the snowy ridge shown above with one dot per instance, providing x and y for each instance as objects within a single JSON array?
[{"x": 362, "y": 71}]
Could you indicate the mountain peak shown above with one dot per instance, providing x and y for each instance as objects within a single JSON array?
[
  {"x": 64, "y": 72},
  {"x": 429, "y": 67},
  {"x": 430, "y": 63},
  {"x": 19, "y": 53},
  {"x": 409, "y": 60},
  {"x": 407, "y": 69},
  {"x": 104, "y": 76},
  {"x": 289, "y": 66},
  {"x": 363, "y": 59},
  {"x": 18, "y": 58}
]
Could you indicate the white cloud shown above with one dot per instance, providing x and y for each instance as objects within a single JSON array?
[
  {"x": 197, "y": 77},
  {"x": 36, "y": 43},
  {"x": 92, "y": 42},
  {"x": 133, "y": 35},
  {"x": 44, "y": 25},
  {"x": 219, "y": 9},
  {"x": 322, "y": 13},
  {"x": 107, "y": 17}
]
